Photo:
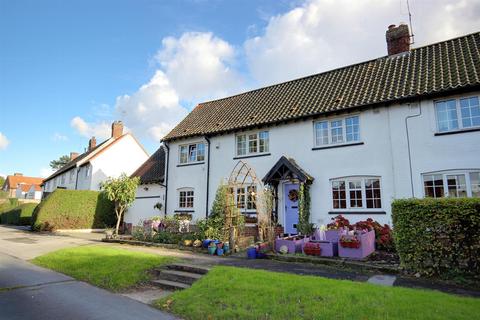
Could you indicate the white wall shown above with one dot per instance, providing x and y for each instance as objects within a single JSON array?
[
  {"x": 124, "y": 156},
  {"x": 142, "y": 208},
  {"x": 384, "y": 153}
]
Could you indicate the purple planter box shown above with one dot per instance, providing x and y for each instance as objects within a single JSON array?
[
  {"x": 292, "y": 245},
  {"x": 367, "y": 247},
  {"x": 329, "y": 249},
  {"x": 332, "y": 235}
]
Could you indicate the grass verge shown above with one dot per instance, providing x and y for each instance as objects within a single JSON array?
[
  {"x": 110, "y": 268},
  {"x": 237, "y": 293}
]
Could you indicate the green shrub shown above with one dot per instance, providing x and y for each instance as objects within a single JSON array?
[
  {"x": 8, "y": 205},
  {"x": 438, "y": 236},
  {"x": 20, "y": 216},
  {"x": 73, "y": 209}
]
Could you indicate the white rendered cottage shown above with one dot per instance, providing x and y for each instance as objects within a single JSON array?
[
  {"x": 121, "y": 153},
  {"x": 151, "y": 190},
  {"x": 399, "y": 126}
]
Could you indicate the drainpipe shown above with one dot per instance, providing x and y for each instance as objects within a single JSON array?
[
  {"x": 76, "y": 180},
  {"x": 166, "y": 175},
  {"x": 208, "y": 175},
  {"x": 408, "y": 145}
]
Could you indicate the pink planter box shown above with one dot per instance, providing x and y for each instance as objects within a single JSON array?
[
  {"x": 329, "y": 249},
  {"x": 292, "y": 245},
  {"x": 367, "y": 247},
  {"x": 332, "y": 235}
]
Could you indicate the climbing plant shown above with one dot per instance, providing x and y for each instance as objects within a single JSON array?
[{"x": 304, "y": 226}]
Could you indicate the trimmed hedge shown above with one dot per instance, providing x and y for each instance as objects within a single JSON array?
[
  {"x": 20, "y": 216},
  {"x": 73, "y": 209},
  {"x": 438, "y": 236}
]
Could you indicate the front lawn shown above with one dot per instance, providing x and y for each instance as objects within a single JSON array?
[
  {"x": 110, "y": 268},
  {"x": 237, "y": 293}
]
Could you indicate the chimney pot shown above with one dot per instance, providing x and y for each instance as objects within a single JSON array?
[
  {"x": 398, "y": 39},
  {"x": 117, "y": 129},
  {"x": 92, "y": 143},
  {"x": 18, "y": 174},
  {"x": 73, "y": 155}
]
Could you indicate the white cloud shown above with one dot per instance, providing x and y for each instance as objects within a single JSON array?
[
  {"x": 59, "y": 137},
  {"x": 45, "y": 172},
  {"x": 153, "y": 110},
  {"x": 101, "y": 130},
  {"x": 4, "y": 142},
  {"x": 199, "y": 65},
  {"x": 324, "y": 34}
]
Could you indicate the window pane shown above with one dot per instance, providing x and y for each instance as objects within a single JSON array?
[
  {"x": 446, "y": 115},
  {"x": 352, "y": 128},
  {"x": 252, "y": 143},
  {"x": 182, "y": 199},
  {"x": 339, "y": 195},
  {"x": 200, "y": 152},
  {"x": 433, "y": 185},
  {"x": 252, "y": 197},
  {"x": 183, "y": 154},
  {"x": 337, "y": 131},
  {"x": 263, "y": 141},
  {"x": 321, "y": 133},
  {"x": 470, "y": 110},
  {"x": 456, "y": 186},
  {"x": 372, "y": 192},
  {"x": 475, "y": 183},
  {"x": 355, "y": 191},
  {"x": 241, "y": 198},
  {"x": 192, "y": 152},
  {"x": 241, "y": 145}
]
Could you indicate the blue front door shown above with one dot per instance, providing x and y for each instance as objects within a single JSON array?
[{"x": 291, "y": 207}]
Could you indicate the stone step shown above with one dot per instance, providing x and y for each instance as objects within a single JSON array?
[
  {"x": 188, "y": 268},
  {"x": 179, "y": 276},
  {"x": 169, "y": 285}
]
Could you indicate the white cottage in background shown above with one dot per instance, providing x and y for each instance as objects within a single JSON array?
[
  {"x": 150, "y": 196},
  {"x": 399, "y": 126},
  {"x": 121, "y": 153},
  {"x": 34, "y": 192}
]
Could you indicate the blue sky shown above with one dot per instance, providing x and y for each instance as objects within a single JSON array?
[{"x": 69, "y": 68}]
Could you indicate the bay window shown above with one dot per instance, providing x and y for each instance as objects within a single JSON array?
[
  {"x": 454, "y": 184},
  {"x": 194, "y": 152},
  {"x": 457, "y": 114},
  {"x": 356, "y": 193},
  {"x": 337, "y": 131},
  {"x": 252, "y": 143}
]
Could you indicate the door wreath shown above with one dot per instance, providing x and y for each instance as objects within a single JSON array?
[{"x": 293, "y": 195}]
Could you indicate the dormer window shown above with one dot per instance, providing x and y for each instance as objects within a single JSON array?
[
  {"x": 252, "y": 143},
  {"x": 191, "y": 153}
]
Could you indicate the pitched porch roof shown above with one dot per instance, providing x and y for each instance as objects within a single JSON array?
[{"x": 286, "y": 168}]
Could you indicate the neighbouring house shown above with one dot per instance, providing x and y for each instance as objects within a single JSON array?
[
  {"x": 121, "y": 153},
  {"x": 14, "y": 185},
  {"x": 399, "y": 126},
  {"x": 151, "y": 191},
  {"x": 34, "y": 192}
]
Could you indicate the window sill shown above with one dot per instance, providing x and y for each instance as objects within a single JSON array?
[
  {"x": 457, "y": 131},
  {"x": 183, "y": 210},
  {"x": 252, "y": 156},
  {"x": 190, "y": 164},
  {"x": 363, "y": 212},
  {"x": 338, "y": 146}
]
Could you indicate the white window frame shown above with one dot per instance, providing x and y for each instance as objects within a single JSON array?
[
  {"x": 349, "y": 179},
  {"x": 329, "y": 121},
  {"x": 458, "y": 110},
  {"x": 188, "y": 160},
  {"x": 445, "y": 174},
  {"x": 179, "y": 197},
  {"x": 246, "y": 200},
  {"x": 257, "y": 140}
]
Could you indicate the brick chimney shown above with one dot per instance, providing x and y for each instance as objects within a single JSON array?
[
  {"x": 117, "y": 129},
  {"x": 92, "y": 143},
  {"x": 18, "y": 174},
  {"x": 398, "y": 39},
  {"x": 73, "y": 155}
]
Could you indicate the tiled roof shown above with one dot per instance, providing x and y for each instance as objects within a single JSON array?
[
  {"x": 437, "y": 68},
  {"x": 153, "y": 170},
  {"x": 13, "y": 181}
]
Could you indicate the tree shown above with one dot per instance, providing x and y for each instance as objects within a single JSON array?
[
  {"x": 121, "y": 191},
  {"x": 2, "y": 181},
  {"x": 60, "y": 162}
]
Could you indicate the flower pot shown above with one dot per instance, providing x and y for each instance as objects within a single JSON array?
[
  {"x": 226, "y": 248},
  {"x": 187, "y": 243},
  {"x": 212, "y": 250},
  {"x": 251, "y": 253},
  {"x": 206, "y": 242},
  {"x": 219, "y": 252}
]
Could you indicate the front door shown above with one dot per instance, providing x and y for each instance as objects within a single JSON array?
[{"x": 291, "y": 207}]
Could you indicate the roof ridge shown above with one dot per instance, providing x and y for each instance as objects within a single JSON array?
[{"x": 335, "y": 69}]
